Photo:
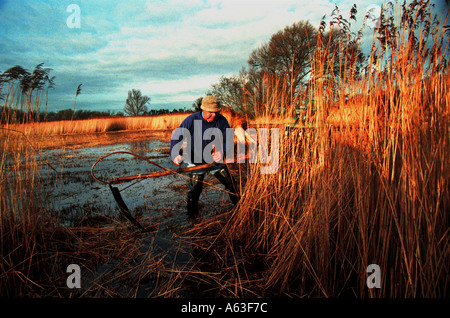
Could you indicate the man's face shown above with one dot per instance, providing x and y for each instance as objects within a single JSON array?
[{"x": 209, "y": 116}]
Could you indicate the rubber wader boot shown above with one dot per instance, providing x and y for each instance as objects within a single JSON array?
[
  {"x": 224, "y": 176},
  {"x": 195, "y": 189}
]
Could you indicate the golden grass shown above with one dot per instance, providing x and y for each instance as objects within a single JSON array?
[
  {"x": 108, "y": 124},
  {"x": 99, "y": 125},
  {"x": 370, "y": 184},
  {"x": 34, "y": 246}
]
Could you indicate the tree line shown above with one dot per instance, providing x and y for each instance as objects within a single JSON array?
[
  {"x": 19, "y": 116},
  {"x": 24, "y": 95}
]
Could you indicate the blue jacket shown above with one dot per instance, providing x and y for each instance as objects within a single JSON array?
[{"x": 190, "y": 130}]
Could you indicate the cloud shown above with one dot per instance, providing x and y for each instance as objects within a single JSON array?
[
  {"x": 193, "y": 83},
  {"x": 229, "y": 31},
  {"x": 172, "y": 50}
]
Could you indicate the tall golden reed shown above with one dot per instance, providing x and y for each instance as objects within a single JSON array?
[
  {"x": 368, "y": 185},
  {"x": 22, "y": 247}
]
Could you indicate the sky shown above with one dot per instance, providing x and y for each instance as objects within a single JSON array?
[{"x": 173, "y": 51}]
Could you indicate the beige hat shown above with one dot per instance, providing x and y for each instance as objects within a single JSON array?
[{"x": 211, "y": 104}]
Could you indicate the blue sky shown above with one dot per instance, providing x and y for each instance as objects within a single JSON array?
[{"x": 173, "y": 51}]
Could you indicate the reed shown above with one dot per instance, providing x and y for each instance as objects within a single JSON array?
[
  {"x": 368, "y": 185},
  {"x": 22, "y": 245}
]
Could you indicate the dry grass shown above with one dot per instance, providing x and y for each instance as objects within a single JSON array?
[
  {"x": 369, "y": 185},
  {"x": 35, "y": 249},
  {"x": 88, "y": 129},
  {"x": 100, "y": 125}
]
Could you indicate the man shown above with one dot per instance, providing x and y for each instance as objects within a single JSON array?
[{"x": 198, "y": 131}]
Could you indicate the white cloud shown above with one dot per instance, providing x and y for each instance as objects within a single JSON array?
[
  {"x": 156, "y": 8},
  {"x": 173, "y": 49},
  {"x": 227, "y": 30},
  {"x": 177, "y": 86}
]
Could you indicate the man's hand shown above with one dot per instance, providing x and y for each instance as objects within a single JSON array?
[
  {"x": 216, "y": 155},
  {"x": 178, "y": 160}
]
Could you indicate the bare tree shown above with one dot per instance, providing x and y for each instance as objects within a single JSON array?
[
  {"x": 197, "y": 104},
  {"x": 281, "y": 69},
  {"x": 229, "y": 92},
  {"x": 136, "y": 103},
  {"x": 287, "y": 53}
]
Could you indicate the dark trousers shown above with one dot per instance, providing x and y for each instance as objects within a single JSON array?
[{"x": 195, "y": 188}]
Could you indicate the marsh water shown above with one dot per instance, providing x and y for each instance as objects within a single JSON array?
[
  {"x": 159, "y": 202},
  {"x": 73, "y": 190}
]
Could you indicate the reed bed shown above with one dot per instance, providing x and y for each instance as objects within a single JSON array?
[
  {"x": 110, "y": 124},
  {"x": 370, "y": 184},
  {"x": 99, "y": 125},
  {"x": 35, "y": 249},
  {"x": 21, "y": 239}
]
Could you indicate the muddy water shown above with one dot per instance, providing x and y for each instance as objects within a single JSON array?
[
  {"x": 79, "y": 199},
  {"x": 73, "y": 190}
]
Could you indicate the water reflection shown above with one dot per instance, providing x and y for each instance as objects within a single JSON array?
[
  {"x": 141, "y": 147},
  {"x": 148, "y": 148}
]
